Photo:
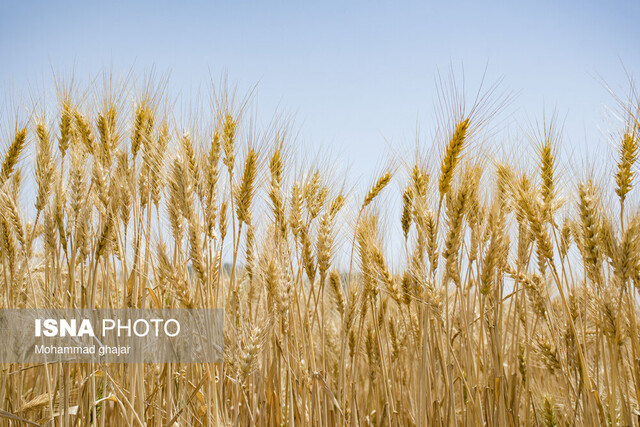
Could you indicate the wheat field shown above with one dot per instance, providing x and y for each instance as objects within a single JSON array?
[{"x": 513, "y": 300}]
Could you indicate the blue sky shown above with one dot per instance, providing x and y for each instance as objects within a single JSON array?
[{"x": 357, "y": 76}]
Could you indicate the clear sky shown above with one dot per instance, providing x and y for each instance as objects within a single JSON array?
[{"x": 357, "y": 76}]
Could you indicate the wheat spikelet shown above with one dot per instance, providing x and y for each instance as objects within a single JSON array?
[
  {"x": 324, "y": 244},
  {"x": 336, "y": 205},
  {"x": 276, "y": 166},
  {"x": 409, "y": 287},
  {"x": 165, "y": 271},
  {"x": 13, "y": 154},
  {"x": 608, "y": 240},
  {"x": 530, "y": 208},
  {"x": 157, "y": 163},
  {"x": 385, "y": 274},
  {"x": 376, "y": 189},
  {"x": 420, "y": 181},
  {"x": 222, "y": 222},
  {"x": 628, "y": 156},
  {"x": 11, "y": 213},
  {"x": 250, "y": 258},
  {"x": 495, "y": 255},
  {"x": 295, "y": 212},
  {"x": 99, "y": 183},
  {"x": 142, "y": 126},
  {"x": 549, "y": 414},
  {"x": 407, "y": 209},
  {"x": 66, "y": 118},
  {"x": 549, "y": 354},
  {"x": 123, "y": 178},
  {"x": 228, "y": 141},
  {"x": 181, "y": 184},
  {"x": 105, "y": 237},
  {"x": 170, "y": 278},
  {"x": 611, "y": 320},
  {"x": 432, "y": 240},
  {"x": 307, "y": 254},
  {"x": 83, "y": 128},
  {"x": 452, "y": 156},
  {"x": 8, "y": 245},
  {"x": 457, "y": 206},
  {"x": 44, "y": 166},
  {"x": 275, "y": 192},
  {"x": 372, "y": 352},
  {"x": 109, "y": 138},
  {"x": 590, "y": 239},
  {"x": 178, "y": 204},
  {"x": 195, "y": 249},
  {"x": 211, "y": 175},
  {"x": 365, "y": 238},
  {"x": 251, "y": 350},
  {"x": 78, "y": 181},
  {"x": 245, "y": 192},
  {"x": 536, "y": 290},
  {"x": 547, "y": 172},
  {"x": 273, "y": 283},
  {"x": 50, "y": 240},
  {"x": 191, "y": 161},
  {"x": 315, "y": 195},
  {"x": 337, "y": 292},
  {"x": 565, "y": 237},
  {"x": 626, "y": 253}
]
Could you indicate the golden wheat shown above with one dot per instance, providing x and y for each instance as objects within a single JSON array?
[{"x": 512, "y": 302}]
